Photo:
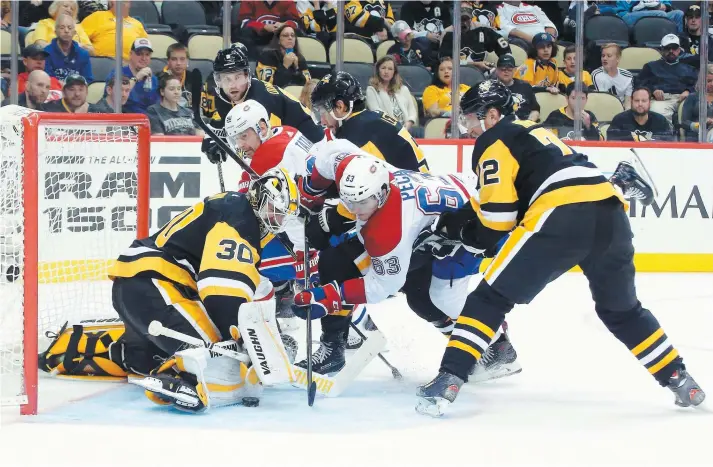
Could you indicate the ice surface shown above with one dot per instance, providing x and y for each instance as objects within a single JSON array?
[{"x": 582, "y": 399}]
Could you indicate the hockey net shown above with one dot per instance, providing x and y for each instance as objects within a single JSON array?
[{"x": 73, "y": 195}]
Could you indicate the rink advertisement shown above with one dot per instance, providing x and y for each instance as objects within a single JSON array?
[{"x": 673, "y": 234}]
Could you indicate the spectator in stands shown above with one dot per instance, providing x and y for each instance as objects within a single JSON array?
[
  {"x": 87, "y": 7},
  {"x": 36, "y": 91},
  {"x": 520, "y": 22},
  {"x": 319, "y": 19},
  {"x": 566, "y": 75},
  {"x": 690, "y": 116},
  {"x": 632, "y": 11},
  {"x": 669, "y": 78},
  {"x": 429, "y": 22},
  {"x": 639, "y": 123},
  {"x": 437, "y": 97},
  {"x": 370, "y": 19},
  {"x": 612, "y": 79},
  {"x": 406, "y": 51},
  {"x": 528, "y": 108},
  {"x": 386, "y": 92},
  {"x": 540, "y": 68},
  {"x": 34, "y": 57},
  {"x": 281, "y": 63},
  {"x": 691, "y": 37},
  {"x": 476, "y": 40},
  {"x": 562, "y": 120},
  {"x": 74, "y": 97},
  {"x": 46, "y": 29},
  {"x": 100, "y": 26},
  {"x": 260, "y": 20},
  {"x": 177, "y": 64},
  {"x": 65, "y": 56},
  {"x": 145, "y": 89},
  {"x": 106, "y": 103},
  {"x": 167, "y": 117}
]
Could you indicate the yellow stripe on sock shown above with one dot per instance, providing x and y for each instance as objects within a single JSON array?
[
  {"x": 646, "y": 343},
  {"x": 664, "y": 361},
  {"x": 476, "y": 324},
  {"x": 464, "y": 347}
]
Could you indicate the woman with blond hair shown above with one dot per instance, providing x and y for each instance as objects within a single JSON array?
[
  {"x": 386, "y": 92},
  {"x": 45, "y": 30}
]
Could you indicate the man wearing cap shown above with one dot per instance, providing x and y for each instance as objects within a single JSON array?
[
  {"x": 406, "y": 51},
  {"x": 540, "y": 68},
  {"x": 106, "y": 103},
  {"x": 691, "y": 37},
  {"x": 65, "y": 56},
  {"x": 74, "y": 97},
  {"x": 528, "y": 108},
  {"x": 476, "y": 40},
  {"x": 100, "y": 26},
  {"x": 145, "y": 85},
  {"x": 669, "y": 79},
  {"x": 34, "y": 56}
]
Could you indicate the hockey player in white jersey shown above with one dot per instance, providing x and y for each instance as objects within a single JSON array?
[{"x": 393, "y": 207}]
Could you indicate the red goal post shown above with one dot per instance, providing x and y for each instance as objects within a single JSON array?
[{"x": 69, "y": 187}]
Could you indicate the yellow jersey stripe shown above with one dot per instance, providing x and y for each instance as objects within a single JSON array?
[
  {"x": 191, "y": 310},
  {"x": 504, "y": 253},
  {"x": 464, "y": 347},
  {"x": 152, "y": 263},
  {"x": 476, "y": 324},
  {"x": 664, "y": 361},
  {"x": 646, "y": 343},
  {"x": 224, "y": 292}
]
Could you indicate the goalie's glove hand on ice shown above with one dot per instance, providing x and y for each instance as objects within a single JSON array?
[
  {"x": 313, "y": 267},
  {"x": 212, "y": 151},
  {"x": 311, "y": 198},
  {"x": 325, "y": 300}
]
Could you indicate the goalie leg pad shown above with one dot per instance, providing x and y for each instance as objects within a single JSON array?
[
  {"x": 84, "y": 350},
  {"x": 258, "y": 328}
]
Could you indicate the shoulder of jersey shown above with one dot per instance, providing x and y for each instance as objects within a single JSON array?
[
  {"x": 270, "y": 153},
  {"x": 234, "y": 208}
]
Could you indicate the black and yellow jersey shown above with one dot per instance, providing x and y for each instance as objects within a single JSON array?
[
  {"x": 523, "y": 171},
  {"x": 382, "y": 136},
  {"x": 283, "y": 108},
  {"x": 561, "y": 125},
  {"x": 212, "y": 248},
  {"x": 367, "y": 17}
]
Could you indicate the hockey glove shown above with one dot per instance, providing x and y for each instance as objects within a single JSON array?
[
  {"x": 436, "y": 243},
  {"x": 325, "y": 300},
  {"x": 313, "y": 267},
  {"x": 212, "y": 151},
  {"x": 310, "y": 198}
]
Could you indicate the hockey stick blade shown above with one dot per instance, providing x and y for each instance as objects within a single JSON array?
[
  {"x": 639, "y": 166},
  {"x": 311, "y": 393},
  {"x": 394, "y": 371}
]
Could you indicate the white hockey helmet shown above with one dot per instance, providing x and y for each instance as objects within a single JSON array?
[
  {"x": 364, "y": 177},
  {"x": 244, "y": 116},
  {"x": 274, "y": 198}
]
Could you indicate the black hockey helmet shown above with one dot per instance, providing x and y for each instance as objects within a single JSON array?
[
  {"x": 234, "y": 58},
  {"x": 487, "y": 95},
  {"x": 333, "y": 87}
]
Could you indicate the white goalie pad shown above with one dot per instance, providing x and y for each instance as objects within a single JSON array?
[{"x": 258, "y": 328}]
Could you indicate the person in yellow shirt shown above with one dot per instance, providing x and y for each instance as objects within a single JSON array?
[
  {"x": 540, "y": 68},
  {"x": 45, "y": 30},
  {"x": 566, "y": 76},
  {"x": 100, "y": 26},
  {"x": 437, "y": 97}
]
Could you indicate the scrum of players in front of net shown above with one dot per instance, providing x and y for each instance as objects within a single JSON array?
[{"x": 206, "y": 303}]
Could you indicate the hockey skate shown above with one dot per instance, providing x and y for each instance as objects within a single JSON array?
[
  {"x": 688, "y": 392},
  {"x": 365, "y": 324},
  {"x": 499, "y": 360},
  {"x": 632, "y": 184},
  {"x": 435, "y": 397},
  {"x": 328, "y": 359}
]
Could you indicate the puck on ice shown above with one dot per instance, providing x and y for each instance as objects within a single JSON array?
[{"x": 251, "y": 401}]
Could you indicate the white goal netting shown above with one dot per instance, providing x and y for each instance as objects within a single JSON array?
[{"x": 85, "y": 207}]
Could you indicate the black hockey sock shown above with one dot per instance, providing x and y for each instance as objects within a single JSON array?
[
  {"x": 642, "y": 334},
  {"x": 482, "y": 315}
]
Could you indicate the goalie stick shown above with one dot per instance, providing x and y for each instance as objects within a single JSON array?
[
  {"x": 394, "y": 371},
  {"x": 311, "y": 384},
  {"x": 209, "y": 131},
  {"x": 156, "y": 328}
]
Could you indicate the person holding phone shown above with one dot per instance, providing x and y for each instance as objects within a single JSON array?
[{"x": 281, "y": 63}]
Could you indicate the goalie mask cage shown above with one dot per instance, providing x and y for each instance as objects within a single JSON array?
[{"x": 74, "y": 193}]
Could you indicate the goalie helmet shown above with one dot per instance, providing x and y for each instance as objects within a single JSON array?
[
  {"x": 274, "y": 198},
  {"x": 244, "y": 116},
  {"x": 362, "y": 178},
  {"x": 490, "y": 94}
]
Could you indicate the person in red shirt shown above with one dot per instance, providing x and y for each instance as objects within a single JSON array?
[
  {"x": 260, "y": 20},
  {"x": 33, "y": 56}
]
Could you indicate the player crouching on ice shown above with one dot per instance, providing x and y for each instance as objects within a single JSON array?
[
  {"x": 561, "y": 212},
  {"x": 196, "y": 282}
]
